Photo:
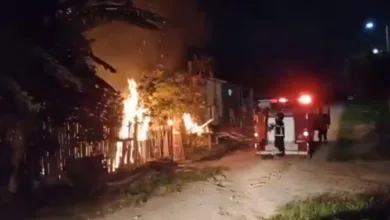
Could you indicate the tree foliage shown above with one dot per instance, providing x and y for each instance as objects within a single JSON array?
[
  {"x": 48, "y": 78},
  {"x": 170, "y": 95},
  {"x": 367, "y": 77}
]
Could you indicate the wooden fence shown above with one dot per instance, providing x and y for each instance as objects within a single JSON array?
[{"x": 161, "y": 143}]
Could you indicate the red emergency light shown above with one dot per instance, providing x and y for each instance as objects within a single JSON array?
[
  {"x": 305, "y": 99},
  {"x": 282, "y": 100},
  {"x": 279, "y": 100}
]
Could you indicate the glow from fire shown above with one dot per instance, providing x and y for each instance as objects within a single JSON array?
[
  {"x": 170, "y": 122},
  {"x": 133, "y": 111},
  {"x": 191, "y": 126}
]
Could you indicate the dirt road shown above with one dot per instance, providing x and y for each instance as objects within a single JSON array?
[{"x": 254, "y": 188}]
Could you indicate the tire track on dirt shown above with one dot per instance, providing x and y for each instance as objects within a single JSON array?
[
  {"x": 273, "y": 175},
  {"x": 241, "y": 188}
]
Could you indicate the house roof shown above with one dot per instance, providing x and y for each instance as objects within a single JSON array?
[
  {"x": 233, "y": 84},
  {"x": 217, "y": 80}
]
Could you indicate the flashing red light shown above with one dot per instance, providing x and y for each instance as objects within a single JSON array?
[
  {"x": 274, "y": 100},
  {"x": 305, "y": 99},
  {"x": 282, "y": 100}
]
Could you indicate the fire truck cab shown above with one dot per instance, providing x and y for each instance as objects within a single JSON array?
[{"x": 299, "y": 115}]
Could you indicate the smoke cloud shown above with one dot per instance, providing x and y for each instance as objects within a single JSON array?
[{"x": 133, "y": 50}]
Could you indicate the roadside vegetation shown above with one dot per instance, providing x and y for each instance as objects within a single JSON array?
[
  {"x": 366, "y": 79},
  {"x": 370, "y": 206},
  {"x": 361, "y": 131}
]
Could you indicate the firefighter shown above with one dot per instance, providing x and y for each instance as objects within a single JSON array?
[{"x": 279, "y": 133}]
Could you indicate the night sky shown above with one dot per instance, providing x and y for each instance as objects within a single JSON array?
[{"x": 253, "y": 40}]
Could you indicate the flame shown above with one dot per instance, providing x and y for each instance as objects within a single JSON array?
[
  {"x": 191, "y": 126},
  {"x": 170, "y": 122},
  {"x": 133, "y": 111}
]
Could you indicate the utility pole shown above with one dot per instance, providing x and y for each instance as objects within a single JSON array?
[
  {"x": 371, "y": 25},
  {"x": 387, "y": 38}
]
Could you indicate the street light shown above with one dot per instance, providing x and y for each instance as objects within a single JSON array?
[
  {"x": 370, "y": 25},
  {"x": 375, "y": 51}
]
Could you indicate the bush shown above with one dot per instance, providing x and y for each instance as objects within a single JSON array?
[{"x": 87, "y": 174}]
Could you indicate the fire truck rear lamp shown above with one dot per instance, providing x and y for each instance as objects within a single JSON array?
[
  {"x": 305, "y": 99},
  {"x": 282, "y": 100}
]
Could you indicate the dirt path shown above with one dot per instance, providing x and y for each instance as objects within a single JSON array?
[{"x": 254, "y": 188}]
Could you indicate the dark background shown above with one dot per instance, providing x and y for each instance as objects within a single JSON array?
[{"x": 257, "y": 42}]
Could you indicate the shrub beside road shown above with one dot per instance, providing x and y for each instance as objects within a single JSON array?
[{"x": 361, "y": 131}]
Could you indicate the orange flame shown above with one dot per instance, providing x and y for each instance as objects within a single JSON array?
[
  {"x": 133, "y": 111},
  {"x": 170, "y": 122},
  {"x": 191, "y": 126}
]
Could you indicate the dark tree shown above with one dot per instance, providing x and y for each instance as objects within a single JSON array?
[
  {"x": 367, "y": 76},
  {"x": 48, "y": 75}
]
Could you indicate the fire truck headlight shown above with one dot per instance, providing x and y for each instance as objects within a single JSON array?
[
  {"x": 306, "y": 133},
  {"x": 256, "y": 135}
]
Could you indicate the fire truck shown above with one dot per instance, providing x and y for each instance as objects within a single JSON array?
[{"x": 299, "y": 113}]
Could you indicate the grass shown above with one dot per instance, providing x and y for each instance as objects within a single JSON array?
[
  {"x": 128, "y": 195},
  {"x": 355, "y": 115},
  {"x": 342, "y": 206},
  {"x": 359, "y": 114}
]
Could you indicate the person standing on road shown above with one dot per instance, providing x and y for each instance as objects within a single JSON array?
[
  {"x": 323, "y": 126},
  {"x": 279, "y": 133},
  {"x": 232, "y": 117}
]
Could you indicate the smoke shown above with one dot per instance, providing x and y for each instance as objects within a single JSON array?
[{"x": 133, "y": 50}]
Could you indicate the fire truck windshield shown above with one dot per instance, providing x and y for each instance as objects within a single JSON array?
[{"x": 285, "y": 107}]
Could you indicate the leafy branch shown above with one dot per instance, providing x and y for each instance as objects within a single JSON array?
[{"x": 171, "y": 95}]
